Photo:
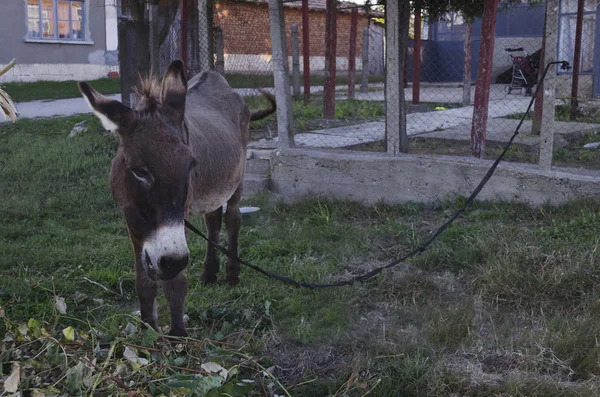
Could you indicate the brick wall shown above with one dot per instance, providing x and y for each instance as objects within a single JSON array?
[{"x": 246, "y": 29}]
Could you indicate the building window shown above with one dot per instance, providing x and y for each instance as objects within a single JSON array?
[
  {"x": 566, "y": 34},
  {"x": 55, "y": 20}
]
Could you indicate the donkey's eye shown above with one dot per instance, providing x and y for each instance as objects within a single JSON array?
[
  {"x": 193, "y": 164},
  {"x": 142, "y": 174}
]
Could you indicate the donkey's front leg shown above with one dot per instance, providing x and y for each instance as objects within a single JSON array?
[
  {"x": 233, "y": 223},
  {"x": 146, "y": 292},
  {"x": 176, "y": 290}
]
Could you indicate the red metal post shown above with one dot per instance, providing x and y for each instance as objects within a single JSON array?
[
  {"x": 576, "y": 61},
  {"x": 306, "y": 49},
  {"x": 330, "y": 58},
  {"x": 352, "y": 53},
  {"x": 184, "y": 31},
  {"x": 538, "y": 105},
  {"x": 484, "y": 78},
  {"x": 416, "y": 88},
  {"x": 406, "y": 67}
]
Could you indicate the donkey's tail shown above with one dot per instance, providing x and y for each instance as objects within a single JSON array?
[{"x": 261, "y": 114}]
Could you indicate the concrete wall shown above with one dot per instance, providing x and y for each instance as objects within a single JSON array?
[
  {"x": 54, "y": 60},
  {"x": 371, "y": 177},
  {"x": 57, "y": 72},
  {"x": 261, "y": 64}
]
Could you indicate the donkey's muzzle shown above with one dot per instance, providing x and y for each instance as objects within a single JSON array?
[{"x": 169, "y": 267}]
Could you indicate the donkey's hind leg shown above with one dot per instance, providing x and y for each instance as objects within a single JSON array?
[
  {"x": 211, "y": 260},
  {"x": 233, "y": 223}
]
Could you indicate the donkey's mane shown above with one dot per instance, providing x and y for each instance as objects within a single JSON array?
[{"x": 148, "y": 95}]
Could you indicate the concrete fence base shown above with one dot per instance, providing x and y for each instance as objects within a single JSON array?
[{"x": 374, "y": 177}]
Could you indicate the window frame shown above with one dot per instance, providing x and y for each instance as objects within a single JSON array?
[
  {"x": 55, "y": 20},
  {"x": 562, "y": 15}
]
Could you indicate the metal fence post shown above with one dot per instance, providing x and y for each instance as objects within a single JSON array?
[
  {"x": 330, "y": 59},
  {"x": 220, "y": 50},
  {"x": 281, "y": 73},
  {"x": 547, "y": 124},
  {"x": 576, "y": 63},
  {"x": 484, "y": 79},
  {"x": 295, "y": 61},
  {"x": 352, "y": 54},
  {"x": 306, "y": 49},
  {"x": 364, "y": 83}
]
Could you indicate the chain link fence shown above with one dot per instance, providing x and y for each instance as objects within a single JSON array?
[
  {"x": 440, "y": 119},
  {"x": 352, "y": 112},
  {"x": 440, "y": 82}
]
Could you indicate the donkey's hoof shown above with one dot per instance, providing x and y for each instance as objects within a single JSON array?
[
  {"x": 208, "y": 278},
  {"x": 232, "y": 280},
  {"x": 178, "y": 332}
]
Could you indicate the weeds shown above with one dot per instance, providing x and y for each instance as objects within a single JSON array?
[{"x": 504, "y": 303}]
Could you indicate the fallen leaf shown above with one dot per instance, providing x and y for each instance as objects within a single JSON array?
[
  {"x": 60, "y": 304},
  {"x": 130, "y": 329},
  {"x": 38, "y": 393},
  {"x": 12, "y": 383},
  {"x": 79, "y": 297},
  {"x": 69, "y": 333},
  {"x": 215, "y": 368},
  {"x": 132, "y": 357},
  {"x": 23, "y": 329}
]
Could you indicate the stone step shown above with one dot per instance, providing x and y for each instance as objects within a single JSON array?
[
  {"x": 258, "y": 166},
  {"x": 254, "y": 184},
  {"x": 258, "y": 162}
]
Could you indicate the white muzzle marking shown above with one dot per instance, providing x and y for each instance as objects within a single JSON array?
[{"x": 167, "y": 241}]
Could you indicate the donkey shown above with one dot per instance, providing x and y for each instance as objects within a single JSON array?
[{"x": 182, "y": 151}]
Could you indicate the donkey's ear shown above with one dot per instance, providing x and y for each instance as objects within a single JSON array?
[
  {"x": 110, "y": 112},
  {"x": 174, "y": 87}
]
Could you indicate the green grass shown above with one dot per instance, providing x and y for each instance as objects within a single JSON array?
[
  {"x": 505, "y": 303},
  {"x": 23, "y": 92},
  {"x": 573, "y": 154},
  {"x": 307, "y": 116},
  {"x": 561, "y": 113}
]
